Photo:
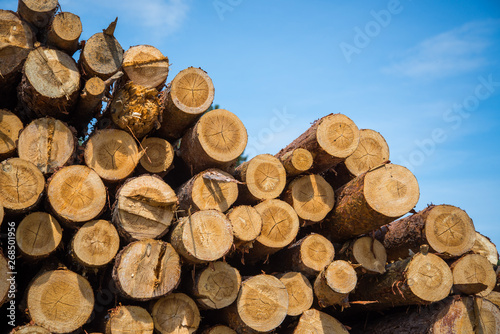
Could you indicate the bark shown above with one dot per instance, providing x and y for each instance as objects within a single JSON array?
[{"x": 89, "y": 103}]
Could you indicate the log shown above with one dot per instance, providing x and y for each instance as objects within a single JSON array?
[
  {"x": 38, "y": 13},
  {"x": 261, "y": 306},
  {"x": 15, "y": 45},
  {"x": 483, "y": 246},
  {"x": 330, "y": 140},
  {"x": 60, "y": 301},
  {"x": 22, "y": 185},
  {"x": 112, "y": 154},
  {"x": 421, "y": 279},
  {"x": 372, "y": 200},
  {"x": 29, "y": 329},
  {"x": 216, "y": 286},
  {"x": 136, "y": 109},
  {"x": 216, "y": 140},
  {"x": 129, "y": 319},
  {"x": 158, "y": 156},
  {"x": 334, "y": 284},
  {"x": 280, "y": 225},
  {"x": 372, "y": 151},
  {"x": 202, "y": 237},
  {"x": 144, "y": 208},
  {"x": 95, "y": 244},
  {"x": 473, "y": 274},
  {"x": 38, "y": 235},
  {"x": 314, "y": 321},
  {"x": 247, "y": 225},
  {"x": 102, "y": 55},
  {"x": 50, "y": 84},
  {"x": 445, "y": 228},
  {"x": 48, "y": 143},
  {"x": 264, "y": 177},
  {"x": 2, "y": 213},
  {"x": 76, "y": 194},
  {"x": 146, "y": 269},
  {"x": 309, "y": 255},
  {"x": 176, "y": 313},
  {"x": 219, "y": 329},
  {"x": 186, "y": 98},
  {"x": 146, "y": 66},
  {"x": 10, "y": 127},
  {"x": 4, "y": 276},
  {"x": 367, "y": 253},
  {"x": 300, "y": 292},
  {"x": 297, "y": 161},
  {"x": 311, "y": 197},
  {"x": 89, "y": 103},
  {"x": 210, "y": 189},
  {"x": 64, "y": 32}
]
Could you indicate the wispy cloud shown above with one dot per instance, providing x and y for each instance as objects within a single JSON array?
[{"x": 453, "y": 52}]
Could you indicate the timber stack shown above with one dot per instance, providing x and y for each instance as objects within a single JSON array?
[{"x": 126, "y": 208}]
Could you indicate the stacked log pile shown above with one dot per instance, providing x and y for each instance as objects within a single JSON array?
[{"x": 124, "y": 209}]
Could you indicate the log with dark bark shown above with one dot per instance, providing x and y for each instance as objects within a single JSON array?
[
  {"x": 300, "y": 292},
  {"x": 372, "y": 200},
  {"x": 314, "y": 321},
  {"x": 186, "y": 98},
  {"x": 445, "y": 228},
  {"x": 334, "y": 284},
  {"x": 330, "y": 140},
  {"x": 146, "y": 66},
  {"x": 176, "y": 313},
  {"x": 64, "y": 32},
  {"x": 89, "y": 104},
  {"x": 129, "y": 319},
  {"x": 38, "y": 13},
  {"x": 297, "y": 161},
  {"x": 38, "y": 235},
  {"x": 10, "y": 127},
  {"x": 473, "y": 274}
]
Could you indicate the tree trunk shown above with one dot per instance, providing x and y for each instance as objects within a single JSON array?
[
  {"x": 76, "y": 194},
  {"x": 146, "y": 269},
  {"x": 219, "y": 329},
  {"x": 261, "y": 306},
  {"x": 38, "y": 13},
  {"x": 483, "y": 246},
  {"x": 446, "y": 229},
  {"x": 136, "y": 109},
  {"x": 102, "y": 55},
  {"x": 246, "y": 223},
  {"x": 300, "y": 292},
  {"x": 422, "y": 279},
  {"x": 186, "y": 98},
  {"x": 129, "y": 319},
  {"x": 216, "y": 140},
  {"x": 64, "y": 32},
  {"x": 372, "y": 151},
  {"x": 146, "y": 66},
  {"x": 48, "y": 143},
  {"x": 113, "y": 154},
  {"x": 210, "y": 189},
  {"x": 367, "y": 253},
  {"x": 4, "y": 276},
  {"x": 95, "y": 244},
  {"x": 297, "y": 161},
  {"x": 330, "y": 140},
  {"x": 60, "y": 301},
  {"x": 473, "y": 274},
  {"x": 372, "y": 200},
  {"x": 10, "y": 127},
  {"x": 334, "y": 284},
  {"x": 311, "y": 197},
  {"x": 22, "y": 185},
  {"x": 280, "y": 225},
  {"x": 89, "y": 104},
  {"x": 158, "y": 156},
  {"x": 314, "y": 321},
  {"x": 203, "y": 236},
  {"x": 38, "y": 235},
  {"x": 216, "y": 286},
  {"x": 309, "y": 255},
  {"x": 50, "y": 85}
]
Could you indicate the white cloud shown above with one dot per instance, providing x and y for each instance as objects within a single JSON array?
[{"x": 453, "y": 52}]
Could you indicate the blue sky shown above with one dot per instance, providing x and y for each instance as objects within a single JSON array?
[{"x": 423, "y": 73}]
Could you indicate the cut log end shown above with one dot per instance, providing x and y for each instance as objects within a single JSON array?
[
  {"x": 316, "y": 252},
  {"x": 38, "y": 13},
  {"x": 219, "y": 329},
  {"x": 64, "y": 32},
  {"x": 333, "y": 285},
  {"x": 297, "y": 161},
  {"x": 22, "y": 185},
  {"x": 10, "y": 127},
  {"x": 371, "y": 152},
  {"x": 60, "y": 301},
  {"x": 300, "y": 293},
  {"x": 314, "y": 321},
  {"x": 429, "y": 277},
  {"x": 95, "y": 244},
  {"x": 30, "y": 329},
  {"x": 102, "y": 56},
  {"x": 76, "y": 194},
  {"x": 176, "y": 313},
  {"x": 473, "y": 274},
  {"x": 147, "y": 269},
  {"x": 246, "y": 222},
  {"x": 38, "y": 235},
  {"x": 113, "y": 154},
  {"x": 145, "y": 65},
  {"x": 4, "y": 282},
  {"x": 370, "y": 254},
  {"x": 158, "y": 155},
  {"x": 217, "y": 286},
  {"x": 483, "y": 246},
  {"x": 337, "y": 135},
  {"x": 129, "y": 319}
]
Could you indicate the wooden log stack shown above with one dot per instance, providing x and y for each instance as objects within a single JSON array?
[{"x": 147, "y": 224}]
